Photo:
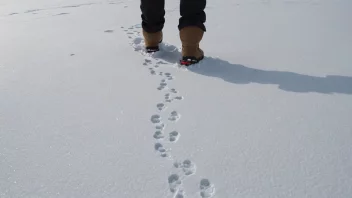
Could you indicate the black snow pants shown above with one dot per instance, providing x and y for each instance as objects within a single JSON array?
[{"x": 153, "y": 14}]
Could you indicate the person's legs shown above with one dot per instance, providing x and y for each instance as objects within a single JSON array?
[
  {"x": 153, "y": 19},
  {"x": 191, "y": 27},
  {"x": 153, "y": 13},
  {"x": 192, "y": 14}
]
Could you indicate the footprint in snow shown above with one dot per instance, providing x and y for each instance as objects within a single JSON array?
[
  {"x": 178, "y": 98},
  {"x": 158, "y": 135},
  {"x": 173, "y": 90},
  {"x": 161, "y": 88},
  {"x": 155, "y": 119},
  {"x": 162, "y": 85},
  {"x": 160, "y": 148},
  {"x": 152, "y": 71},
  {"x": 34, "y": 10},
  {"x": 174, "y": 116},
  {"x": 174, "y": 136},
  {"x": 174, "y": 182},
  {"x": 169, "y": 76},
  {"x": 64, "y": 13},
  {"x": 160, "y": 126},
  {"x": 161, "y": 106},
  {"x": 187, "y": 166},
  {"x": 207, "y": 189},
  {"x": 168, "y": 97},
  {"x": 148, "y": 62},
  {"x": 180, "y": 194}
]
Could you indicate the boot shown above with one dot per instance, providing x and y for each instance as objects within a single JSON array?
[
  {"x": 190, "y": 38},
  {"x": 152, "y": 40}
]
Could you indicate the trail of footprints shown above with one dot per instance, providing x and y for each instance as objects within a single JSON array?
[{"x": 160, "y": 135}]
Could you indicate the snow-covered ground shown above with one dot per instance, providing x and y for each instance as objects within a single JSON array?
[{"x": 84, "y": 113}]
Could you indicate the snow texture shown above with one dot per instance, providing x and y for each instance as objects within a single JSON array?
[{"x": 85, "y": 112}]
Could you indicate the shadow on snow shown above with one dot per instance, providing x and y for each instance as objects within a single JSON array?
[{"x": 240, "y": 74}]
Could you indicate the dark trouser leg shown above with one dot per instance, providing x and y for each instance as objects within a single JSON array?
[
  {"x": 192, "y": 13},
  {"x": 153, "y": 13}
]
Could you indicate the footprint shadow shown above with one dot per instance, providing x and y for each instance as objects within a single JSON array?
[{"x": 240, "y": 74}]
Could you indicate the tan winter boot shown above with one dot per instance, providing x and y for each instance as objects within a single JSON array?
[
  {"x": 190, "y": 38},
  {"x": 152, "y": 40}
]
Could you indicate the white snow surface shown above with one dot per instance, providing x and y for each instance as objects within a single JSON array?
[{"x": 85, "y": 113}]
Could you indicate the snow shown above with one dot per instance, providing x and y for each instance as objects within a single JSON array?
[{"x": 85, "y": 113}]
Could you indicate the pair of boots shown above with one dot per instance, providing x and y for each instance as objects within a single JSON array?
[{"x": 190, "y": 37}]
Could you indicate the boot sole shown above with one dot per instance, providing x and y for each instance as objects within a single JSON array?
[
  {"x": 154, "y": 48},
  {"x": 190, "y": 60}
]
